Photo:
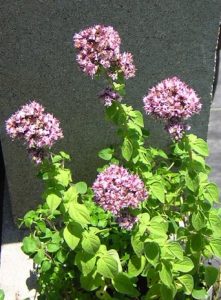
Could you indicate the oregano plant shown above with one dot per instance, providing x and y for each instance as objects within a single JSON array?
[{"x": 148, "y": 223}]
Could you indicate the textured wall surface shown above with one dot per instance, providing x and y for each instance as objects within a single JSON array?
[{"x": 166, "y": 37}]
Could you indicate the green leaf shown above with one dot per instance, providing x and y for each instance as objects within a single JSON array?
[
  {"x": 215, "y": 245},
  {"x": 198, "y": 220},
  {"x": 138, "y": 118},
  {"x": 196, "y": 242},
  {"x": 211, "y": 275},
  {"x": 53, "y": 201},
  {"x": 72, "y": 235},
  {"x": 91, "y": 282},
  {"x": 85, "y": 262},
  {"x": 106, "y": 154},
  {"x": 65, "y": 155},
  {"x": 200, "y": 146},
  {"x": 81, "y": 187},
  {"x": 120, "y": 88},
  {"x": 46, "y": 265},
  {"x": 192, "y": 181},
  {"x": 56, "y": 238},
  {"x": 30, "y": 244},
  {"x": 134, "y": 127},
  {"x": 198, "y": 163},
  {"x": 39, "y": 256},
  {"x": 200, "y": 294},
  {"x": 123, "y": 284},
  {"x": 152, "y": 252},
  {"x": 90, "y": 243},
  {"x": 187, "y": 283},
  {"x": 166, "y": 292},
  {"x": 211, "y": 192},
  {"x": 144, "y": 218},
  {"x": 61, "y": 255},
  {"x": 42, "y": 226},
  {"x": 51, "y": 247},
  {"x": 136, "y": 265},
  {"x": 154, "y": 292},
  {"x": 71, "y": 194},
  {"x": 56, "y": 158},
  {"x": 165, "y": 274},
  {"x": 215, "y": 223},
  {"x": 176, "y": 250},
  {"x": 127, "y": 149},
  {"x": 185, "y": 265},
  {"x": 79, "y": 213},
  {"x": 158, "y": 227},
  {"x": 137, "y": 244},
  {"x": 2, "y": 294},
  {"x": 63, "y": 177},
  {"x": 157, "y": 190},
  {"x": 108, "y": 265}
]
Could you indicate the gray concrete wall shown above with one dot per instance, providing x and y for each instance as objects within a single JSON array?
[{"x": 166, "y": 37}]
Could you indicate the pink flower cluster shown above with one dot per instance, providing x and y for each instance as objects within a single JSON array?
[
  {"x": 116, "y": 189},
  {"x": 126, "y": 65},
  {"x": 38, "y": 129},
  {"x": 172, "y": 98},
  {"x": 108, "y": 96},
  {"x": 176, "y": 129},
  {"x": 174, "y": 101},
  {"x": 99, "y": 47},
  {"x": 126, "y": 221}
]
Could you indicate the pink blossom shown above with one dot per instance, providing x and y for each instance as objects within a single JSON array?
[
  {"x": 38, "y": 130},
  {"x": 98, "y": 46},
  {"x": 126, "y": 221},
  {"x": 172, "y": 98},
  {"x": 115, "y": 189},
  {"x": 99, "y": 49},
  {"x": 108, "y": 96},
  {"x": 176, "y": 129},
  {"x": 37, "y": 155},
  {"x": 126, "y": 64}
]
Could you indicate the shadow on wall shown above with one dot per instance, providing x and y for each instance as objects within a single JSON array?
[
  {"x": 2, "y": 181},
  {"x": 216, "y": 75}
]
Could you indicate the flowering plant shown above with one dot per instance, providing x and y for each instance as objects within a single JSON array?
[{"x": 148, "y": 224}]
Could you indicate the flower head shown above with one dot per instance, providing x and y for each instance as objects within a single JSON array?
[
  {"x": 172, "y": 98},
  {"x": 38, "y": 129},
  {"x": 115, "y": 189},
  {"x": 37, "y": 155},
  {"x": 176, "y": 129},
  {"x": 98, "y": 46},
  {"x": 126, "y": 221},
  {"x": 108, "y": 96},
  {"x": 126, "y": 64}
]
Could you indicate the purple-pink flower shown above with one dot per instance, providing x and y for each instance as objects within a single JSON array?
[
  {"x": 176, "y": 129},
  {"x": 126, "y": 221},
  {"x": 108, "y": 96},
  {"x": 172, "y": 98},
  {"x": 38, "y": 129},
  {"x": 126, "y": 64},
  {"x": 115, "y": 189},
  {"x": 98, "y": 46},
  {"x": 37, "y": 154},
  {"x": 172, "y": 101}
]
